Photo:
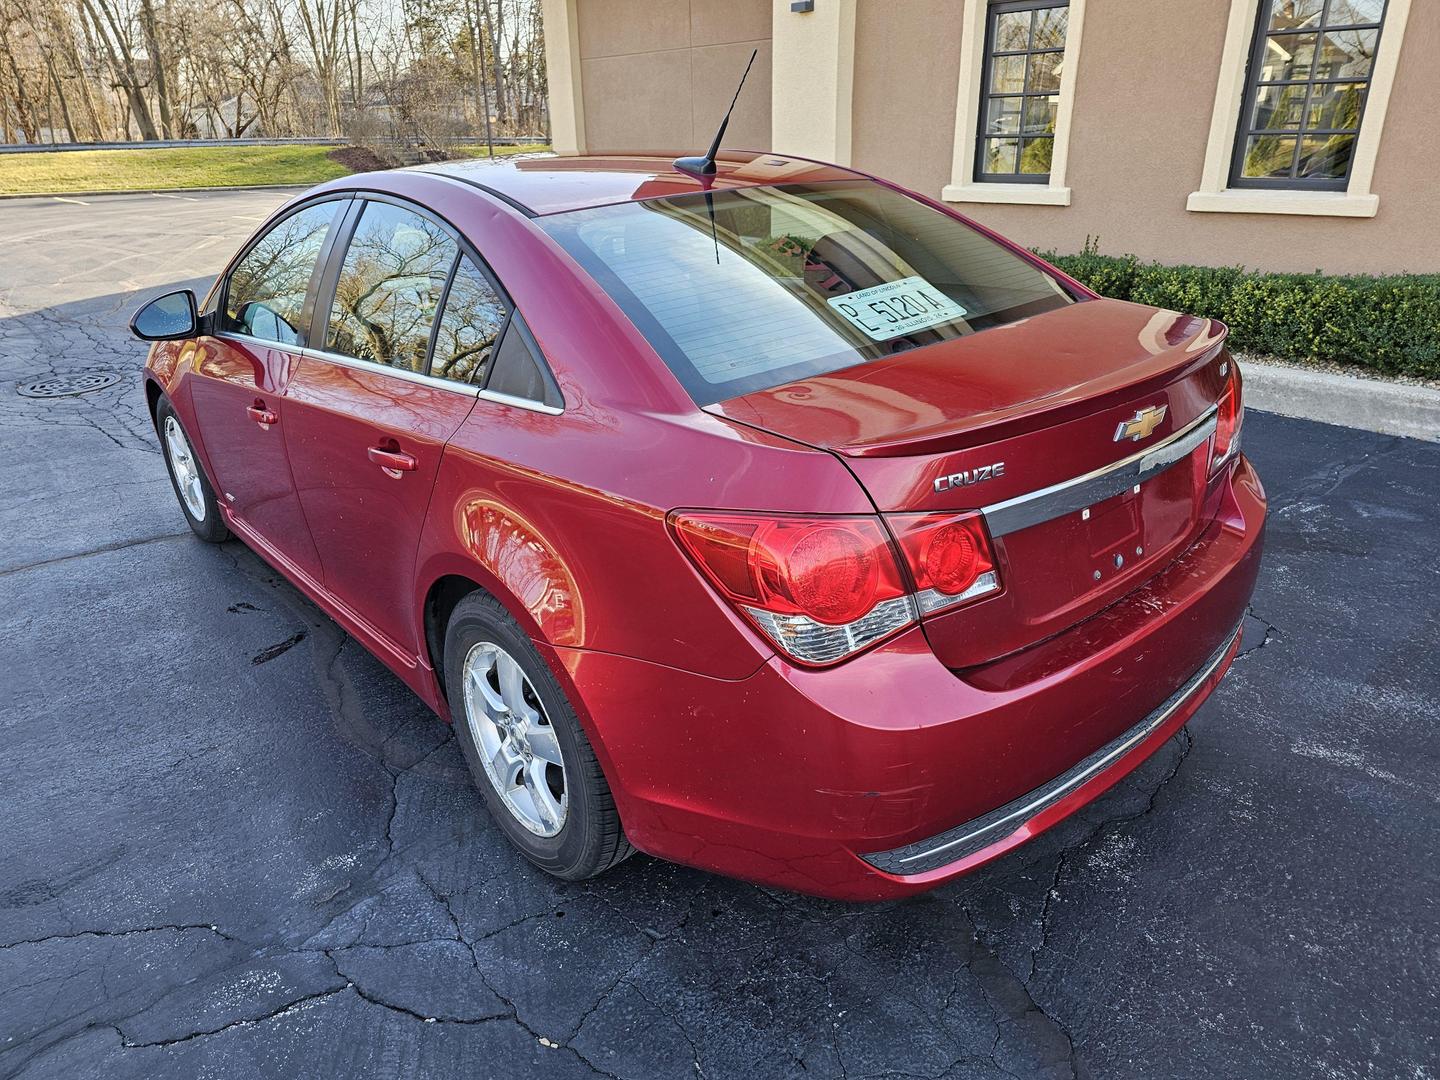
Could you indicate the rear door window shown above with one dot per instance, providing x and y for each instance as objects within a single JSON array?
[
  {"x": 473, "y": 318},
  {"x": 265, "y": 294},
  {"x": 389, "y": 287},
  {"x": 752, "y": 288}
]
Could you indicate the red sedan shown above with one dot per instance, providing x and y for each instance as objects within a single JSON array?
[{"x": 777, "y": 521}]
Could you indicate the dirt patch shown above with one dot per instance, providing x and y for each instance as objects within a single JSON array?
[{"x": 358, "y": 159}]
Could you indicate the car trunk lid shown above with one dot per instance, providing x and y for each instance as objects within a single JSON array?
[{"x": 1084, "y": 434}]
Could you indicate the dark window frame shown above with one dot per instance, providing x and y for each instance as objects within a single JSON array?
[
  {"x": 993, "y": 11},
  {"x": 218, "y": 300},
  {"x": 1244, "y": 132},
  {"x": 334, "y": 260},
  {"x": 324, "y": 299},
  {"x": 320, "y": 294},
  {"x": 512, "y": 316}
]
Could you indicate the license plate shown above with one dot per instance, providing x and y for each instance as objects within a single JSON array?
[{"x": 887, "y": 311}]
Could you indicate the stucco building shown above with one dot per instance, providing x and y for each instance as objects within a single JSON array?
[{"x": 1277, "y": 134}]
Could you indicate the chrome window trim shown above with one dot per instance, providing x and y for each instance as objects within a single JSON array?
[
  {"x": 519, "y": 402},
  {"x": 248, "y": 339},
  {"x": 979, "y": 833},
  {"x": 401, "y": 373},
  {"x": 1072, "y": 496}
]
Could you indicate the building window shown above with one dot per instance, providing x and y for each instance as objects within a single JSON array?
[
  {"x": 1309, "y": 73},
  {"x": 1020, "y": 91},
  {"x": 1015, "y": 101}
]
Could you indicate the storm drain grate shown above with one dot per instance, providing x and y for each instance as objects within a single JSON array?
[{"x": 81, "y": 382}]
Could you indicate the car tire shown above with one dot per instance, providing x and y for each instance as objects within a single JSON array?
[
  {"x": 187, "y": 476},
  {"x": 584, "y": 837}
]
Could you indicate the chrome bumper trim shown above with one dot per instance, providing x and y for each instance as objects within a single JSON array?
[
  {"x": 1072, "y": 496},
  {"x": 970, "y": 837}
]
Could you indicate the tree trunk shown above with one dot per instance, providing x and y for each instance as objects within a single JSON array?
[
  {"x": 122, "y": 61},
  {"x": 87, "y": 95},
  {"x": 106, "y": 110},
  {"x": 477, "y": 73},
  {"x": 357, "y": 76},
  {"x": 495, "y": 24},
  {"x": 157, "y": 64},
  {"x": 60, "y": 96},
  {"x": 24, "y": 109},
  {"x": 322, "y": 28}
]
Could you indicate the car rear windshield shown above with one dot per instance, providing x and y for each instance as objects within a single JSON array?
[{"x": 744, "y": 290}]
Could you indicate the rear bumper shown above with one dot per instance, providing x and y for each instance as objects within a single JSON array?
[
  {"x": 891, "y": 774},
  {"x": 957, "y": 844}
]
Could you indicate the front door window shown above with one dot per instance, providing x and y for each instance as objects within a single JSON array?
[{"x": 265, "y": 295}]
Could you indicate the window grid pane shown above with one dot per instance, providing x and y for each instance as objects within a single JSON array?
[
  {"x": 1020, "y": 91},
  {"x": 1309, "y": 76}
]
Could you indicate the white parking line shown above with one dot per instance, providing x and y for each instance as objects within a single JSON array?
[{"x": 77, "y": 202}]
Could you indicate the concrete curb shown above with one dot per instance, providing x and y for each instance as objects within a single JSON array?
[
  {"x": 1387, "y": 407},
  {"x": 151, "y": 191}
]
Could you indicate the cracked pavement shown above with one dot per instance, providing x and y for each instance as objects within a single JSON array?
[{"x": 234, "y": 845}]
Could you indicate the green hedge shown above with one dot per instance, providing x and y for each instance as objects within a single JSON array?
[{"x": 1390, "y": 324}]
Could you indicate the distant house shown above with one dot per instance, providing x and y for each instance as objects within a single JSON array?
[{"x": 1280, "y": 134}]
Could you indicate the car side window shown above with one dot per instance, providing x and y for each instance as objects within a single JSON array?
[
  {"x": 389, "y": 287},
  {"x": 473, "y": 318},
  {"x": 266, "y": 291},
  {"x": 520, "y": 369}
]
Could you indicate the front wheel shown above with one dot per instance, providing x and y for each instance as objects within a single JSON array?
[
  {"x": 526, "y": 751},
  {"x": 192, "y": 488}
]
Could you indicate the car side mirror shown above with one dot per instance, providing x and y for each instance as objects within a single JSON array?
[{"x": 167, "y": 318}]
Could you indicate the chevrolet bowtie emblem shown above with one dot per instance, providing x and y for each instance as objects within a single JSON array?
[{"x": 1141, "y": 424}]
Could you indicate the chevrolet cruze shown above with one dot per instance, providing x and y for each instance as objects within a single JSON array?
[{"x": 776, "y": 521}]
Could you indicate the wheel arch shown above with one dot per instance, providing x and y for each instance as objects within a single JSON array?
[
  {"x": 153, "y": 393},
  {"x": 441, "y": 599},
  {"x": 449, "y": 579}
]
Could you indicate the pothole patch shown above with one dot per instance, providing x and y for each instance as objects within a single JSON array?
[{"x": 70, "y": 385}]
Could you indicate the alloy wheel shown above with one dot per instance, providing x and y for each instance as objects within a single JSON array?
[
  {"x": 183, "y": 465},
  {"x": 517, "y": 743}
]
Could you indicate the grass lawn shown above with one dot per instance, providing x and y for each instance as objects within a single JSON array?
[
  {"x": 502, "y": 151},
  {"x": 182, "y": 167}
]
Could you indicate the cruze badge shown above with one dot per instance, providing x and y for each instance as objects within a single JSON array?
[
  {"x": 1141, "y": 424},
  {"x": 970, "y": 476}
]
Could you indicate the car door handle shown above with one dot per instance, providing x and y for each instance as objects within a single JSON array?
[
  {"x": 393, "y": 460},
  {"x": 262, "y": 415}
]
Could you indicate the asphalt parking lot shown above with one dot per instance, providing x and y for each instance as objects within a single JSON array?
[{"x": 235, "y": 846}]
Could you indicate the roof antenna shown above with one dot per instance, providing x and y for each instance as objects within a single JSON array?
[{"x": 705, "y": 166}]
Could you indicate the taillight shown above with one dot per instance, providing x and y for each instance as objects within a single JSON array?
[
  {"x": 823, "y": 588},
  {"x": 820, "y": 588},
  {"x": 949, "y": 557},
  {"x": 1229, "y": 415}
]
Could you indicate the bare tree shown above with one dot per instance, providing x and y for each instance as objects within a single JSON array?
[
  {"x": 25, "y": 120},
  {"x": 157, "y": 67},
  {"x": 113, "y": 27},
  {"x": 322, "y": 20},
  {"x": 417, "y": 72}
]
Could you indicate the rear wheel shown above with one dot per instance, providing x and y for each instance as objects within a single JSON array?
[
  {"x": 192, "y": 488},
  {"x": 525, "y": 748}
]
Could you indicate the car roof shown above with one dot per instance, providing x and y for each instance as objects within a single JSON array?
[{"x": 552, "y": 185}]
